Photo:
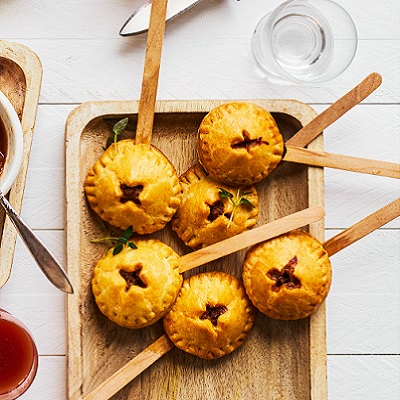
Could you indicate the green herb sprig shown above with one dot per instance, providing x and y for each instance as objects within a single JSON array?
[
  {"x": 119, "y": 241},
  {"x": 235, "y": 200},
  {"x": 118, "y": 128}
]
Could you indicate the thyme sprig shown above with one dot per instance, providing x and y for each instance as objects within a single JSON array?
[
  {"x": 235, "y": 200},
  {"x": 118, "y": 128},
  {"x": 119, "y": 241}
]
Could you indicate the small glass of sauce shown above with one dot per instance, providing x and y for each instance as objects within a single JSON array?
[{"x": 18, "y": 357}]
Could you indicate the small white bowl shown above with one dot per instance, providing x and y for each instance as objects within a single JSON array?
[{"x": 15, "y": 146}]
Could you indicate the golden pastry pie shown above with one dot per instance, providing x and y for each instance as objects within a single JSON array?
[
  {"x": 133, "y": 185},
  {"x": 136, "y": 287},
  {"x": 239, "y": 143},
  {"x": 207, "y": 213},
  {"x": 211, "y": 317},
  {"x": 287, "y": 277}
]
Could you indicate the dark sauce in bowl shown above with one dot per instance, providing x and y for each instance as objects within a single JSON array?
[{"x": 3, "y": 146}]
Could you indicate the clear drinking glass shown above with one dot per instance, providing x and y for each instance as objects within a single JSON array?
[
  {"x": 305, "y": 41},
  {"x": 18, "y": 357}
]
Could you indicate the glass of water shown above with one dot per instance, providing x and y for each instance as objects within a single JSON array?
[{"x": 305, "y": 41}]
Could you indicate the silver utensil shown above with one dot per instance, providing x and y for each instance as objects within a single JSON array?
[
  {"x": 45, "y": 260},
  {"x": 138, "y": 22}
]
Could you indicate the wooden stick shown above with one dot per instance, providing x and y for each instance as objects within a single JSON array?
[
  {"x": 250, "y": 238},
  {"x": 162, "y": 345},
  {"x": 355, "y": 164},
  {"x": 131, "y": 369},
  {"x": 363, "y": 227},
  {"x": 151, "y": 71},
  {"x": 309, "y": 132}
]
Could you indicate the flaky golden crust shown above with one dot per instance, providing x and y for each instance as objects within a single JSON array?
[
  {"x": 133, "y": 185},
  {"x": 203, "y": 216},
  {"x": 136, "y": 287},
  {"x": 287, "y": 277},
  {"x": 211, "y": 317},
  {"x": 239, "y": 143}
]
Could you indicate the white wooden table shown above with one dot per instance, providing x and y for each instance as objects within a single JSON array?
[{"x": 207, "y": 55}]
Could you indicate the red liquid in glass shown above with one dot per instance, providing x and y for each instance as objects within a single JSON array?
[{"x": 18, "y": 357}]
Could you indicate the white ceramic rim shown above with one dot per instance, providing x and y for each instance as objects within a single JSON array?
[{"x": 13, "y": 164}]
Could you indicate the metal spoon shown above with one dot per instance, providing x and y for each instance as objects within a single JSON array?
[{"x": 44, "y": 259}]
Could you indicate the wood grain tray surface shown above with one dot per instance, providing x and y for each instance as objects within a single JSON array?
[
  {"x": 279, "y": 360},
  {"x": 20, "y": 81}
]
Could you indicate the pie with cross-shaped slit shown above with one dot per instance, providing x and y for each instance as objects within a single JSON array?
[
  {"x": 211, "y": 317},
  {"x": 239, "y": 143},
  {"x": 133, "y": 185},
  {"x": 287, "y": 277},
  {"x": 136, "y": 287},
  {"x": 205, "y": 216}
]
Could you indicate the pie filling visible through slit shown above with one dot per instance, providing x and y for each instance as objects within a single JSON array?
[
  {"x": 132, "y": 278},
  {"x": 248, "y": 143},
  {"x": 130, "y": 193},
  {"x": 213, "y": 313},
  {"x": 285, "y": 277}
]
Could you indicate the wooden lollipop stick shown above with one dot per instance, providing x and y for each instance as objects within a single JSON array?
[
  {"x": 131, "y": 369},
  {"x": 162, "y": 345},
  {"x": 309, "y": 132},
  {"x": 151, "y": 71},
  {"x": 250, "y": 238},
  {"x": 363, "y": 227},
  {"x": 355, "y": 164}
]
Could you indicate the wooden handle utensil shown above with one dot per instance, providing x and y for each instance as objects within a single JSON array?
[
  {"x": 131, "y": 369},
  {"x": 151, "y": 71},
  {"x": 355, "y": 96},
  {"x": 363, "y": 227},
  {"x": 355, "y": 164},
  {"x": 162, "y": 345},
  {"x": 250, "y": 238}
]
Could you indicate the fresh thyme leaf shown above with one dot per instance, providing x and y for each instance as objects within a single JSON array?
[
  {"x": 235, "y": 200},
  {"x": 245, "y": 201},
  {"x": 118, "y": 128},
  {"x": 119, "y": 242},
  {"x": 117, "y": 249},
  {"x": 225, "y": 194},
  {"x": 128, "y": 232}
]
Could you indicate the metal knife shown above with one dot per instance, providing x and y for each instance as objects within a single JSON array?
[
  {"x": 45, "y": 260},
  {"x": 139, "y": 20}
]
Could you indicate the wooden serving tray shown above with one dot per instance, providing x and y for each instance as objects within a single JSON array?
[
  {"x": 279, "y": 360},
  {"x": 20, "y": 81}
]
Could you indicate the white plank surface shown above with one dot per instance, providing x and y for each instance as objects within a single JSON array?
[
  {"x": 363, "y": 306},
  {"x": 364, "y": 377},
  {"x": 78, "y": 19},
  {"x": 77, "y": 70},
  {"x": 207, "y": 55}
]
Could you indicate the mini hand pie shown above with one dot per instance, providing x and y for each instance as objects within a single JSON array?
[
  {"x": 287, "y": 277},
  {"x": 205, "y": 214},
  {"x": 133, "y": 185},
  {"x": 136, "y": 287},
  {"x": 211, "y": 317},
  {"x": 239, "y": 143}
]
